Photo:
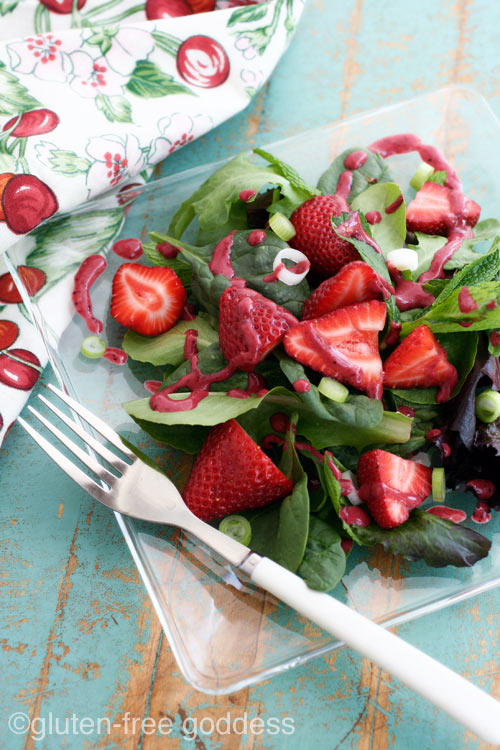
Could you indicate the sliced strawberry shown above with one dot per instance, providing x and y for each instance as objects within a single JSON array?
[
  {"x": 435, "y": 210},
  {"x": 343, "y": 345},
  {"x": 355, "y": 282},
  {"x": 391, "y": 486},
  {"x": 147, "y": 300},
  {"x": 250, "y": 326},
  {"x": 231, "y": 474},
  {"x": 420, "y": 362},
  {"x": 315, "y": 237}
]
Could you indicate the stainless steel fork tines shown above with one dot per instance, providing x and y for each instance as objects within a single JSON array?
[{"x": 136, "y": 490}]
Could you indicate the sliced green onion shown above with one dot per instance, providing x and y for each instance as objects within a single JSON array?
[
  {"x": 237, "y": 527},
  {"x": 93, "y": 347},
  {"x": 421, "y": 175},
  {"x": 282, "y": 226},
  {"x": 438, "y": 485},
  {"x": 488, "y": 406},
  {"x": 333, "y": 389}
]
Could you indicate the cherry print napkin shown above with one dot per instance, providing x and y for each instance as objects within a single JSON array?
[{"x": 93, "y": 94}]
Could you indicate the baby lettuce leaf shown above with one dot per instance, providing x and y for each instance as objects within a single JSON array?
[
  {"x": 428, "y": 245},
  {"x": 249, "y": 262},
  {"x": 324, "y": 559},
  {"x": 427, "y": 537},
  {"x": 212, "y": 202},
  {"x": 168, "y": 347},
  {"x": 390, "y": 232},
  {"x": 375, "y": 169},
  {"x": 461, "y": 352}
]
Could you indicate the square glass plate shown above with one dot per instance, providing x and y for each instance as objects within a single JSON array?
[{"x": 224, "y": 633}]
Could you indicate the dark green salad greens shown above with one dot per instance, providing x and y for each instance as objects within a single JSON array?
[{"x": 307, "y": 532}]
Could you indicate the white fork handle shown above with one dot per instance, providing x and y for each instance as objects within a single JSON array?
[{"x": 462, "y": 700}]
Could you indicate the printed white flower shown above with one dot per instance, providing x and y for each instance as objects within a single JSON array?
[
  {"x": 40, "y": 55},
  {"x": 244, "y": 44},
  {"x": 177, "y": 130},
  {"x": 92, "y": 77},
  {"x": 114, "y": 159},
  {"x": 253, "y": 78},
  {"x": 127, "y": 46}
]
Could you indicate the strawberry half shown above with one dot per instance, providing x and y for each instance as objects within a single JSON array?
[
  {"x": 434, "y": 210},
  {"x": 315, "y": 237},
  {"x": 147, "y": 300},
  {"x": 250, "y": 326},
  {"x": 231, "y": 474},
  {"x": 355, "y": 282},
  {"x": 392, "y": 486},
  {"x": 343, "y": 345},
  {"x": 420, "y": 361}
]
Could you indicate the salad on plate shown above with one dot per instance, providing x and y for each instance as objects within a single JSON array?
[{"x": 327, "y": 354}]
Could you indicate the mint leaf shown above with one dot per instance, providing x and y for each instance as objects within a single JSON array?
[
  {"x": 429, "y": 538},
  {"x": 390, "y": 232},
  {"x": 324, "y": 559},
  {"x": 375, "y": 169},
  {"x": 149, "y": 82},
  {"x": 168, "y": 347},
  {"x": 288, "y": 172},
  {"x": 439, "y": 177},
  {"x": 181, "y": 268}
]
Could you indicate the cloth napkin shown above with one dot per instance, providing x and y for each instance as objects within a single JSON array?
[{"x": 93, "y": 95}]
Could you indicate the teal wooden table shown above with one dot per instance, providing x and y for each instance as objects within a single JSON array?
[{"x": 78, "y": 635}]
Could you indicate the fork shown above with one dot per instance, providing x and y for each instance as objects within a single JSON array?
[{"x": 144, "y": 493}]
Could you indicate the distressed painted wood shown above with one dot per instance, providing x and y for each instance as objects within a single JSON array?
[{"x": 78, "y": 634}]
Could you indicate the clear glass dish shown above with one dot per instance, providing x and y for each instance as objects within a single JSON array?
[{"x": 224, "y": 633}]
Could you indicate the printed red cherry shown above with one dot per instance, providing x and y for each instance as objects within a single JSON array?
[
  {"x": 32, "y": 278},
  {"x": 167, "y": 9},
  {"x": 19, "y": 368},
  {"x": 201, "y": 61},
  {"x": 26, "y": 201},
  {"x": 62, "y": 6},
  {"x": 202, "y": 6},
  {"x": 4, "y": 179},
  {"x": 36, "y": 122},
  {"x": 9, "y": 332}
]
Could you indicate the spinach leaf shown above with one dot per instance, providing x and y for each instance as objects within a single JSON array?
[
  {"x": 250, "y": 262},
  {"x": 180, "y": 436},
  {"x": 375, "y": 169},
  {"x": 390, "y": 232},
  {"x": 324, "y": 559},
  {"x": 212, "y": 202},
  {"x": 338, "y": 501},
  {"x": 290, "y": 464},
  {"x": 429, "y": 538},
  {"x": 168, "y": 347}
]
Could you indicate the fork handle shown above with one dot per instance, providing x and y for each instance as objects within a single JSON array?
[{"x": 462, "y": 700}]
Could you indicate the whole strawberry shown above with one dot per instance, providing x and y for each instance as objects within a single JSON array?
[
  {"x": 250, "y": 326},
  {"x": 316, "y": 238},
  {"x": 232, "y": 474}
]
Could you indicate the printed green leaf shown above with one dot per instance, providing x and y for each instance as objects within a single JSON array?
[
  {"x": 103, "y": 38},
  {"x": 166, "y": 42},
  {"x": 168, "y": 347},
  {"x": 7, "y": 6},
  {"x": 114, "y": 108},
  {"x": 324, "y": 559},
  {"x": 427, "y": 537},
  {"x": 14, "y": 97},
  {"x": 80, "y": 235},
  {"x": 247, "y": 14},
  {"x": 390, "y": 232},
  {"x": 67, "y": 162},
  {"x": 374, "y": 170},
  {"x": 149, "y": 82}
]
